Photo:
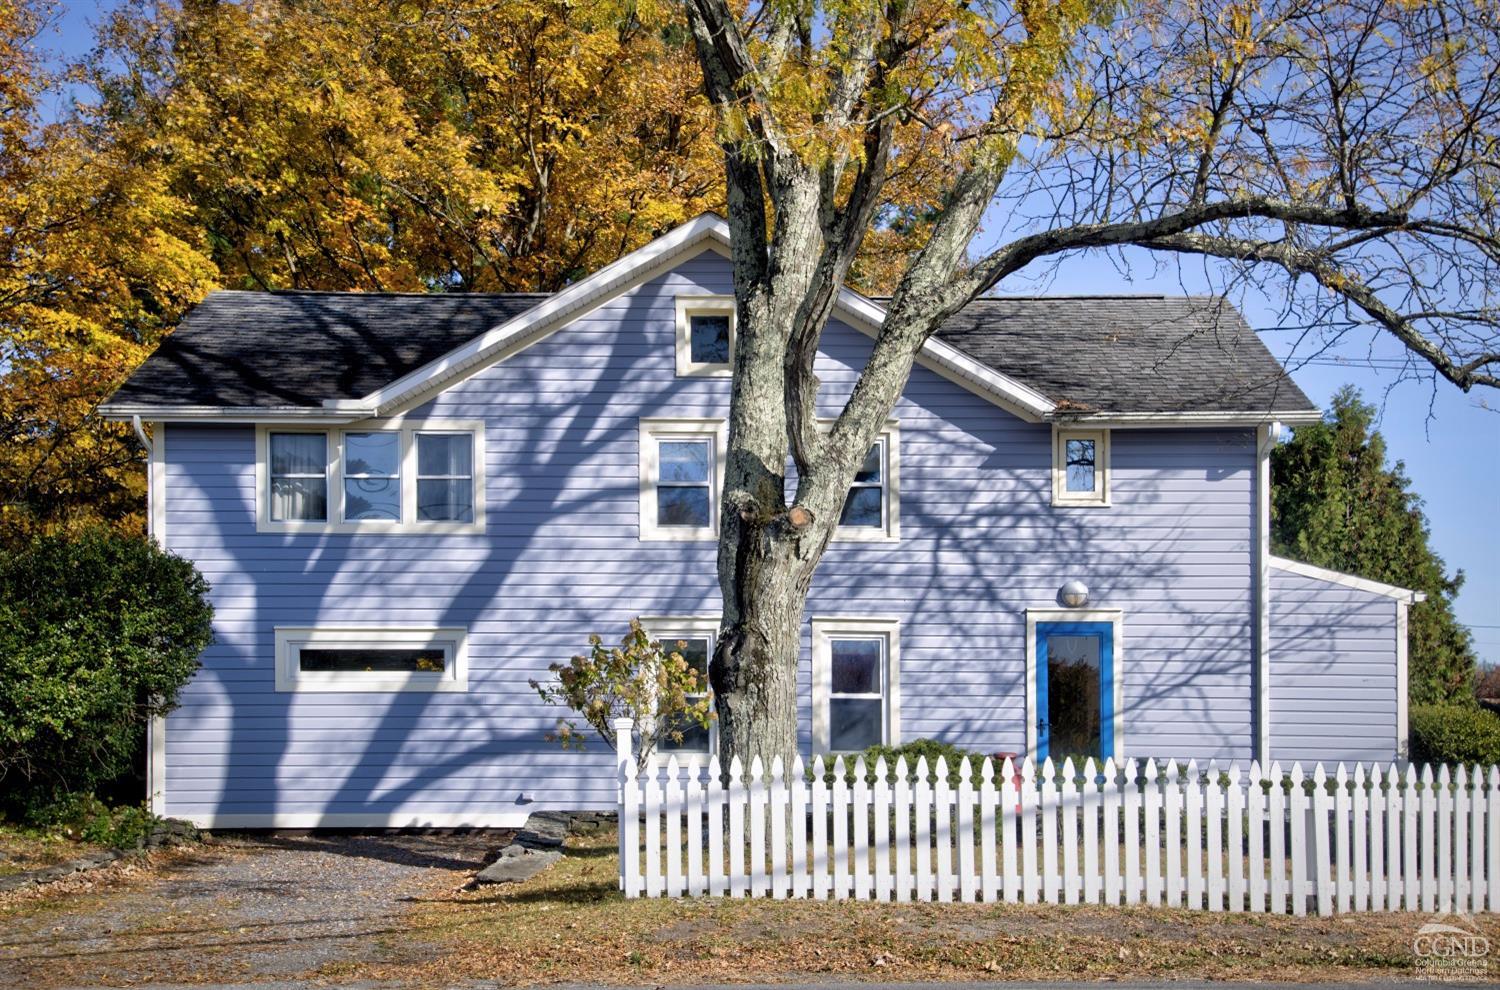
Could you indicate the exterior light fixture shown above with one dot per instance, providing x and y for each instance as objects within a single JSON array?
[{"x": 1074, "y": 594}]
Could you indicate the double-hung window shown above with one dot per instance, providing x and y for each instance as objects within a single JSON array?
[
  {"x": 423, "y": 477},
  {"x": 299, "y": 477},
  {"x": 693, "y": 639},
  {"x": 1080, "y": 467},
  {"x": 445, "y": 477},
  {"x": 681, "y": 470},
  {"x": 855, "y": 684},
  {"x": 871, "y": 510}
]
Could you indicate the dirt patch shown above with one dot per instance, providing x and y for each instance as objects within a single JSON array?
[{"x": 247, "y": 909}]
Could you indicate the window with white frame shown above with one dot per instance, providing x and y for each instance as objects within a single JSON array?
[
  {"x": 1080, "y": 467},
  {"x": 681, "y": 467},
  {"x": 393, "y": 477},
  {"x": 855, "y": 684},
  {"x": 381, "y": 659},
  {"x": 371, "y": 465},
  {"x": 693, "y": 639},
  {"x": 445, "y": 477},
  {"x": 871, "y": 508},
  {"x": 705, "y": 335},
  {"x": 298, "y": 467}
]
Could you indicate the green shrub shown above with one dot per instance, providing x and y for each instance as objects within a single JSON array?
[
  {"x": 84, "y": 818},
  {"x": 1454, "y": 734},
  {"x": 97, "y": 635},
  {"x": 952, "y": 755}
]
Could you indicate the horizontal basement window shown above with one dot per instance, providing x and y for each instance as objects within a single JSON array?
[
  {"x": 379, "y": 659},
  {"x": 373, "y": 660}
]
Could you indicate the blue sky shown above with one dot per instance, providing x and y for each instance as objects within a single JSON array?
[{"x": 1450, "y": 441}]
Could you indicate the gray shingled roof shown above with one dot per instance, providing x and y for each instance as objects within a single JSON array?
[
  {"x": 1122, "y": 354},
  {"x": 299, "y": 348},
  {"x": 1128, "y": 354}
]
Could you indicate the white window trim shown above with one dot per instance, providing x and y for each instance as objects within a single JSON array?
[
  {"x": 828, "y": 628},
  {"x": 1102, "y": 469},
  {"x": 688, "y": 307},
  {"x": 654, "y": 430},
  {"x": 890, "y": 532},
  {"x": 666, "y": 630},
  {"x": 335, "y": 523},
  {"x": 455, "y": 675},
  {"x": 1116, "y": 618}
]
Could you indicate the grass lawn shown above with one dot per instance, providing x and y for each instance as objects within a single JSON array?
[{"x": 571, "y": 924}]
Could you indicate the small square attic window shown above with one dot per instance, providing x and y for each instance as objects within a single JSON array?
[{"x": 705, "y": 335}]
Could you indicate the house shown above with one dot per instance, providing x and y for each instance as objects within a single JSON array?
[{"x": 409, "y": 505}]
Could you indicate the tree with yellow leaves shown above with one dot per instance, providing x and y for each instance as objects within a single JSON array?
[{"x": 96, "y": 262}]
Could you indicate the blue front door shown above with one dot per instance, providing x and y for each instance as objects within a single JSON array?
[{"x": 1075, "y": 690}]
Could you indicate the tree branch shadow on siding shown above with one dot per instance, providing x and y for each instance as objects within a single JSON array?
[
  {"x": 538, "y": 465},
  {"x": 1321, "y": 635},
  {"x": 684, "y": 573},
  {"x": 986, "y": 550}
]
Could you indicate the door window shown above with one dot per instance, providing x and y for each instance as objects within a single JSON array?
[{"x": 1075, "y": 690}]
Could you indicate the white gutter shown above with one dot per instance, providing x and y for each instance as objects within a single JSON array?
[{"x": 1297, "y": 417}]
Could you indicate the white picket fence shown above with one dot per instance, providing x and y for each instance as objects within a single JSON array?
[{"x": 1366, "y": 839}]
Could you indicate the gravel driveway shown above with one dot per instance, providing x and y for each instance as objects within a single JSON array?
[{"x": 248, "y": 909}]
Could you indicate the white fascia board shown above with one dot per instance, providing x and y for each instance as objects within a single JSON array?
[
  {"x": 1296, "y": 417},
  {"x": 1348, "y": 580},
  {"x": 346, "y": 413}
]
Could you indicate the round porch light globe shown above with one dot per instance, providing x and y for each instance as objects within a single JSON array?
[{"x": 1074, "y": 594}]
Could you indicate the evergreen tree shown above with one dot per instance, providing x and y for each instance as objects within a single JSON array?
[{"x": 1335, "y": 503}]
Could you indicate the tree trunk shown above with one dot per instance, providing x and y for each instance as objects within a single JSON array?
[{"x": 755, "y": 670}]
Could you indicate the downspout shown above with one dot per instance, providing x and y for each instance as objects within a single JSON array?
[
  {"x": 1261, "y": 633},
  {"x": 140, "y": 432}
]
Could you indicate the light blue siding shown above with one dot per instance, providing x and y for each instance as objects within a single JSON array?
[
  {"x": 1333, "y": 671},
  {"x": 561, "y": 558}
]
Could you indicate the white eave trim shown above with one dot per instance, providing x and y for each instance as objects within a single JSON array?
[
  {"x": 1297, "y": 417},
  {"x": 346, "y": 412},
  {"x": 1348, "y": 580}
]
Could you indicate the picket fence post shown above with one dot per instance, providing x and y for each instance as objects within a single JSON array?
[
  {"x": 777, "y": 806},
  {"x": 627, "y": 810},
  {"x": 903, "y": 881},
  {"x": 882, "y": 821},
  {"x": 990, "y": 887},
  {"x": 797, "y": 784},
  {"x": 717, "y": 883},
  {"x": 1131, "y": 812},
  {"x": 1010, "y": 800},
  {"x": 1068, "y": 812},
  {"x": 819, "y": 829}
]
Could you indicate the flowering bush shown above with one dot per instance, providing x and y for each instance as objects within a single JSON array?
[{"x": 639, "y": 679}]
